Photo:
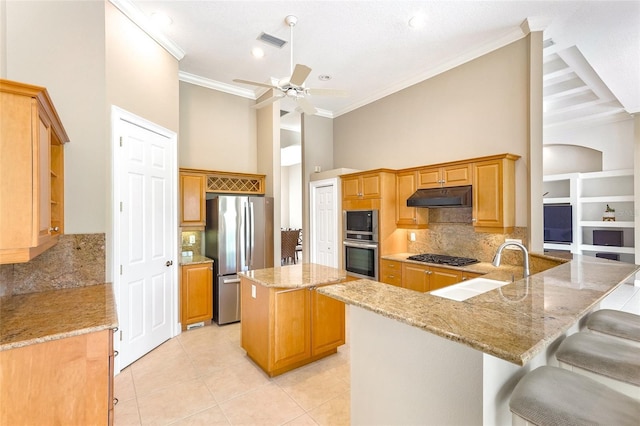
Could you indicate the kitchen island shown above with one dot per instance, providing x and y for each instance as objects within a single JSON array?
[
  {"x": 417, "y": 358},
  {"x": 285, "y": 322}
]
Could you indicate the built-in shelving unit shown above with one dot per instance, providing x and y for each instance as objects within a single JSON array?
[{"x": 589, "y": 194}]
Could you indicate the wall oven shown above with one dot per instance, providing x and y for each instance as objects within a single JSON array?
[{"x": 361, "y": 243}]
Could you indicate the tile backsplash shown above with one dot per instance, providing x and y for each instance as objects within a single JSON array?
[
  {"x": 77, "y": 260},
  {"x": 451, "y": 232},
  {"x": 196, "y": 246}
]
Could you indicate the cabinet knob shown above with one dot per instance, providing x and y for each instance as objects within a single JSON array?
[
  {"x": 429, "y": 272},
  {"x": 54, "y": 229}
]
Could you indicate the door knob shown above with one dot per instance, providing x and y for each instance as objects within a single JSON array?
[{"x": 169, "y": 262}]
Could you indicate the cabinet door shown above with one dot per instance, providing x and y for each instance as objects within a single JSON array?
[
  {"x": 429, "y": 178},
  {"x": 371, "y": 186},
  {"x": 415, "y": 277},
  {"x": 443, "y": 277},
  {"x": 409, "y": 217},
  {"x": 391, "y": 272},
  {"x": 351, "y": 188},
  {"x": 192, "y": 199},
  {"x": 470, "y": 275},
  {"x": 291, "y": 327},
  {"x": 62, "y": 382},
  {"x": 196, "y": 294},
  {"x": 457, "y": 175},
  {"x": 327, "y": 323}
]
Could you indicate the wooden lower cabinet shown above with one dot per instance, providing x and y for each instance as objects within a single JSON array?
[
  {"x": 196, "y": 293},
  {"x": 391, "y": 272},
  {"x": 67, "y": 381},
  {"x": 283, "y": 329},
  {"x": 425, "y": 278}
]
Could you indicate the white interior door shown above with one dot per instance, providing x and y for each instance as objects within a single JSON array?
[
  {"x": 324, "y": 232},
  {"x": 145, "y": 236}
]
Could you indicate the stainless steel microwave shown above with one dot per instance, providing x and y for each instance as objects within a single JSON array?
[{"x": 360, "y": 225}]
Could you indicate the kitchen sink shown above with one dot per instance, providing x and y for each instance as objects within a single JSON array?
[{"x": 468, "y": 289}]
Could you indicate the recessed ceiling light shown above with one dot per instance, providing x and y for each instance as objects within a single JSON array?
[
  {"x": 160, "y": 19},
  {"x": 324, "y": 77},
  {"x": 257, "y": 52},
  {"x": 417, "y": 21}
]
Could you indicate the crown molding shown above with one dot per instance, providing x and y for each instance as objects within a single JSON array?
[
  {"x": 142, "y": 21},
  {"x": 534, "y": 23},
  {"x": 216, "y": 85}
]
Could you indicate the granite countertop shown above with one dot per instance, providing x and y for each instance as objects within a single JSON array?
[
  {"x": 194, "y": 260},
  {"x": 514, "y": 322},
  {"x": 296, "y": 276},
  {"x": 32, "y": 318}
]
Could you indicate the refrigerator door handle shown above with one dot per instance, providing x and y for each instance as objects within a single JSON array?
[
  {"x": 231, "y": 281},
  {"x": 251, "y": 233}
]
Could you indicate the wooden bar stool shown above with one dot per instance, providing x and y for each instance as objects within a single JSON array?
[
  {"x": 619, "y": 324},
  {"x": 552, "y": 396},
  {"x": 610, "y": 361}
]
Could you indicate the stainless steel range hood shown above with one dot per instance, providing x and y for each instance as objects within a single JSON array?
[{"x": 455, "y": 196}]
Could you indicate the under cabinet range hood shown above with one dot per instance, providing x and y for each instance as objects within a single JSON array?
[{"x": 455, "y": 196}]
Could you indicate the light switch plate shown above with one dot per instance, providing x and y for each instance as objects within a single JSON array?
[{"x": 412, "y": 236}]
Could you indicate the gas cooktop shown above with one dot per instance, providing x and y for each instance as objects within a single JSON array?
[{"x": 443, "y": 259}]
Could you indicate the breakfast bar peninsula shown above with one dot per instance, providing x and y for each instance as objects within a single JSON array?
[
  {"x": 419, "y": 358},
  {"x": 285, "y": 322}
]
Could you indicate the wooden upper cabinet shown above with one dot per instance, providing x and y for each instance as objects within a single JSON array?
[
  {"x": 192, "y": 199},
  {"x": 31, "y": 172},
  {"x": 409, "y": 217},
  {"x": 361, "y": 186},
  {"x": 494, "y": 194},
  {"x": 438, "y": 177}
]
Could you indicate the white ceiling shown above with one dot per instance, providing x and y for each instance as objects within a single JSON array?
[{"x": 369, "y": 49}]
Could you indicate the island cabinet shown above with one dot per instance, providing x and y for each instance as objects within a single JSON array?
[
  {"x": 196, "y": 293},
  {"x": 285, "y": 328},
  {"x": 438, "y": 177},
  {"x": 63, "y": 381},
  {"x": 409, "y": 217},
  {"x": 31, "y": 172},
  {"x": 494, "y": 194},
  {"x": 192, "y": 199}
]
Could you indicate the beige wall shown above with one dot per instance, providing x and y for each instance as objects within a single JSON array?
[
  {"x": 217, "y": 130},
  {"x": 479, "y": 108},
  {"x": 61, "y": 45}
]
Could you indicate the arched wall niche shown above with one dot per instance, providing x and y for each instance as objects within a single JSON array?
[{"x": 561, "y": 158}]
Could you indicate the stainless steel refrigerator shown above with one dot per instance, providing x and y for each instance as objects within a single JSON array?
[{"x": 238, "y": 237}]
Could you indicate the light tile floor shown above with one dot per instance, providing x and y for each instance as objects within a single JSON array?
[{"x": 203, "y": 377}]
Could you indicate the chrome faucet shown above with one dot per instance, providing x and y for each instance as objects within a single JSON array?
[{"x": 496, "y": 258}]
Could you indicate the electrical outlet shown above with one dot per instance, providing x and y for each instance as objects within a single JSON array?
[
  {"x": 412, "y": 236},
  {"x": 512, "y": 240},
  {"x": 253, "y": 291},
  {"x": 192, "y": 239}
]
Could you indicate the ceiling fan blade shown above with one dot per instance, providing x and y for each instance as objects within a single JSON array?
[
  {"x": 327, "y": 92},
  {"x": 306, "y": 106},
  {"x": 255, "y": 83},
  {"x": 300, "y": 74},
  {"x": 267, "y": 102}
]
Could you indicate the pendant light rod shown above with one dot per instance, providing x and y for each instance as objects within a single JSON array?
[{"x": 291, "y": 20}]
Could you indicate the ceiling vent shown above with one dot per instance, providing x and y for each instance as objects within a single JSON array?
[
  {"x": 272, "y": 40},
  {"x": 283, "y": 112}
]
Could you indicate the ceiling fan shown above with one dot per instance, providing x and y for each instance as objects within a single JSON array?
[{"x": 293, "y": 86}]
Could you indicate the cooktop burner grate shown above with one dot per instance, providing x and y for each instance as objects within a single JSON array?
[{"x": 443, "y": 259}]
